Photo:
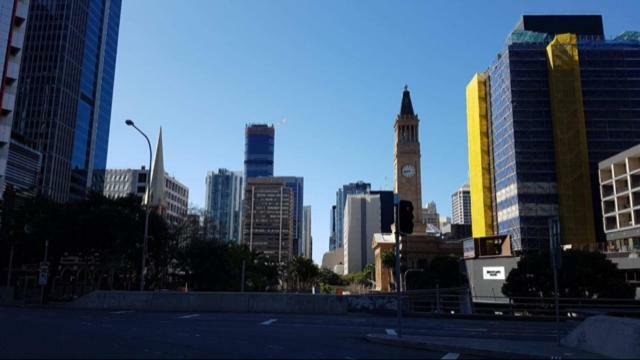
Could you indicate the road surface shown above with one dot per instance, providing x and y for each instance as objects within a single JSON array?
[{"x": 59, "y": 333}]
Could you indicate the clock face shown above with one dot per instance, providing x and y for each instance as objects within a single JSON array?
[{"x": 408, "y": 171}]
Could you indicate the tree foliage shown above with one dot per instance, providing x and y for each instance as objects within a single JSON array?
[
  {"x": 583, "y": 275},
  {"x": 441, "y": 271}
]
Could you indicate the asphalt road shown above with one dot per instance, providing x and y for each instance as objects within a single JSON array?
[{"x": 57, "y": 333}]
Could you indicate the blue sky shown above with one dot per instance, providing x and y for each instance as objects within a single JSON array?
[{"x": 202, "y": 69}]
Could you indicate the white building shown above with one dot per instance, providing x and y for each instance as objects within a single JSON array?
[
  {"x": 361, "y": 221},
  {"x": 306, "y": 248},
  {"x": 168, "y": 196},
  {"x": 13, "y": 24},
  {"x": 461, "y": 206}
]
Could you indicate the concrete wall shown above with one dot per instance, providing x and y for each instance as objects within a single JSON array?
[
  {"x": 488, "y": 290},
  {"x": 210, "y": 301}
]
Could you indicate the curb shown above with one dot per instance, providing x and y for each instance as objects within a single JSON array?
[{"x": 409, "y": 343}]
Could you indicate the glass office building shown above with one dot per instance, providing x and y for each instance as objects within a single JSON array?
[
  {"x": 296, "y": 184},
  {"x": 223, "y": 205},
  {"x": 356, "y": 188},
  {"x": 558, "y": 99},
  {"x": 66, "y": 89},
  {"x": 259, "y": 148}
]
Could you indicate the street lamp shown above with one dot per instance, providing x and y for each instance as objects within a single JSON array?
[{"x": 146, "y": 217}]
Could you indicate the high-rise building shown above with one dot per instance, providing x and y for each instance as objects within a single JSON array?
[
  {"x": 558, "y": 99},
  {"x": 430, "y": 216},
  {"x": 461, "y": 206},
  {"x": 223, "y": 205},
  {"x": 13, "y": 23},
  {"x": 406, "y": 160},
  {"x": 361, "y": 221},
  {"x": 258, "y": 150},
  {"x": 342, "y": 194},
  {"x": 65, "y": 91},
  {"x": 307, "y": 240},
  {"x": 268, "y": 218},
  {"x": 296, "y": 184}
]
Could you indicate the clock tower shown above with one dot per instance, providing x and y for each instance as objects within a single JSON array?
[{"x": 406, "y": 160}]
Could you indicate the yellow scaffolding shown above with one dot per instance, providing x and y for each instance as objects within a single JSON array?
[
  {"x": 482, "y": 221},
  {"x": 570, "y": 139}
]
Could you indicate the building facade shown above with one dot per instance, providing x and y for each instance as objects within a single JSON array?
[
  {"x": 268, "y": 218},
  {"x": 259, "y": 149},
  {"x": 65, "y": 91},
  {"x": 13, "y": 24},
  {"x": 430, "y": 216},
  {"x": 342, "y": 194},
  {"x": 23, "y": 167},
  {"x": 223, "y": 205},
  {"x": 296, "y": 184},
  {"x": 461, "y": 206},
  {"x": 307, "y": 239},
  {"x": 332, "y": 229},
  {"x": 558, "y": 99},
  {"x": 124, "y": 182},
  {"x": 362, "y": 220},
  {"x": 406, "y": 160}
]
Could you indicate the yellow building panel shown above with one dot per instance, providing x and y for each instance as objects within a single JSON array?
[
  {"x": 570, "y": 140},
  {"x": 482, "y": 222}
]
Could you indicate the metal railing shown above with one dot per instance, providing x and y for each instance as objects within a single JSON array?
[{"x": 459, "y": 301}]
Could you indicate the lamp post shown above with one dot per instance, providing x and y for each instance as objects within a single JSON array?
[{"x": 146, "y": 217}]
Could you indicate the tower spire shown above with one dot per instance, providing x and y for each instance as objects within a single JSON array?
[{"x": 406, "y": 108}]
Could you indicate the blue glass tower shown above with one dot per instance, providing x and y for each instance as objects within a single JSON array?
[
  {"x": 66, "y": 88},
  {"x": 258, "y": 153}
]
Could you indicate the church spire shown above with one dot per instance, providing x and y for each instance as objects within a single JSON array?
[
  {"x": 157, "y": 175},
  {"x": 406, "y": 108}
]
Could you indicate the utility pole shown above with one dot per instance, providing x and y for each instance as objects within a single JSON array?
[
  {"x": 242, "y": 277},
  {"x": 397, "y": 266}
]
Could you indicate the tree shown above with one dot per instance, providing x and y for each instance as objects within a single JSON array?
[
  {"x": 441, "y": 271},
  {"x": 389, "y": 263},
  {"x": 583, "y": 275},
  {"x": 304, "y": 272}
]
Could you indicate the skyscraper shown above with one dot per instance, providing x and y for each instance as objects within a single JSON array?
[
  {"x": 361, "y": 221},
  {"x": 558, "y": 99},
  {"x": 342, "y": 194},
  {"x": 65, "y": 91},
  {"x": 13, "y": 17},
  {"x": 223, "y": 205},
  {"x": 307, "y": 240},
  {"x": 461, "y": 206},
  {"x": 268, "y": 218},
  {"x": 296, "y": 184},
  {"x": 258, "y": 150}
]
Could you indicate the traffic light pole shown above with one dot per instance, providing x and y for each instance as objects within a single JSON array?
[{"x": 397, "y": 270}]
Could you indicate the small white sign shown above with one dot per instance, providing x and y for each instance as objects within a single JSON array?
[{"x": 493, "y": 273}]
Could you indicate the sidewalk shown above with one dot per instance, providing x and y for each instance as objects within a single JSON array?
[{"x": 484, "y": 347}]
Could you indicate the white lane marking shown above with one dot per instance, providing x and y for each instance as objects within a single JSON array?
[
  {"x": 391, "y": 332},
  {"x": 122, "y": 312},
  {"x": 466, "y": 329},
  {"x": 188, "y": 316},
  {"x": 268, "y": 322},
  {"x": 451, "y": 356}
]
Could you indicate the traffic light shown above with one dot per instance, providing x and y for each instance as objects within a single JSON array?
[{"x": 406, "y": 217}]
